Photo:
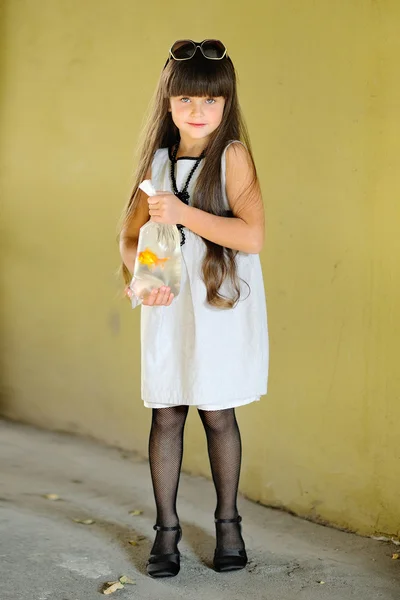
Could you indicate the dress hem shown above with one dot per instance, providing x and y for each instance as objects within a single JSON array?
[{"x": 209, "y": 406}]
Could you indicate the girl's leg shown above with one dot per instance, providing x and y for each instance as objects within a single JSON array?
[
  {"x": 165, "y": 455},
  {"x": 225, "y": 452}
]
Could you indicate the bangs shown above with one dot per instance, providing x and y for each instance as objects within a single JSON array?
[{"x": 199, "y": 77}]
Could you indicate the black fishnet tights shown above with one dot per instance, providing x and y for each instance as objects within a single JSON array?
[
  {"x": 165, "y": 454},
  {"x": 225, "y": 453}
]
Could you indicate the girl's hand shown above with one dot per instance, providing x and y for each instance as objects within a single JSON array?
[
  {"x": 166, "y": 208},
  {"x": 160, "y": 297},
  {"x": 157, "y": 297}
]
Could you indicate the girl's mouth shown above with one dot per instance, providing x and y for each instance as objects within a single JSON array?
[{"x": 197, "y": 124}]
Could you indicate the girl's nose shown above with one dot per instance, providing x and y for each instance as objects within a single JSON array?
[{"x": 197, "y": 109}]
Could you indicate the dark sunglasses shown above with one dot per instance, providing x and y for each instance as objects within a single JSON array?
[{"x": 186, "y": 49}]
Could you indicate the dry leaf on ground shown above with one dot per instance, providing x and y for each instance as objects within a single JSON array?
[
  {"x": 135, "y": 513},
  {"x": 51, "y": 496},
  {"x": 395, "y": 556},
  {"x": 84, "y": 521},
  {"x": 126, "y": 580},
  {"x": 112, "y": 586},
  {"x": 135, "y": 542}
]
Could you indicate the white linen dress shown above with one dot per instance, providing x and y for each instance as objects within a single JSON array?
[{"x": 195, "y": 354}]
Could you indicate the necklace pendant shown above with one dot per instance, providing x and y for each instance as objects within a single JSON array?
[{"x": 184, "y": 196}]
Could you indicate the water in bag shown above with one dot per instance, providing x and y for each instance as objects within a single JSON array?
[{"x": 158, "y": 257}]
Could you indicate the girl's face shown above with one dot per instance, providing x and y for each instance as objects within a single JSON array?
[{"x": 197, "y": 117}]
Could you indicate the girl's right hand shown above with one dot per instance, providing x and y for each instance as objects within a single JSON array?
[{"x": 157, "y": 297}]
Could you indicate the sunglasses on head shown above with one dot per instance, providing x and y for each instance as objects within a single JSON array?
[{"x": 186, "y": 49}]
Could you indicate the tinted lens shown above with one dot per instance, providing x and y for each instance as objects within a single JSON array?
[
  {"x": 183, "y": 49},
  {"x": 213, "y": 48}
]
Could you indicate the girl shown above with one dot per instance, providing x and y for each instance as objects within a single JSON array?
[{"x": 209, "y": 346}]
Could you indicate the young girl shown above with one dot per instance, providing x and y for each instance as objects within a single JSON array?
[{"x": 208, "y": 347}]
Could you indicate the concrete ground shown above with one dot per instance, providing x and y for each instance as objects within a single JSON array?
[{"x": 45, "y": 555}]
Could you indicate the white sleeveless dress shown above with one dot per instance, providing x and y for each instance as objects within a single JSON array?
[{"x": 195, "y": 354}]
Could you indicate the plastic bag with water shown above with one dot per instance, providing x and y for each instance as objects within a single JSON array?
[{"x": 158, "y": 257}]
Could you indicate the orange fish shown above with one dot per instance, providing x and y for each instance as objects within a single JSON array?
[{"x": 151, "y": 260}]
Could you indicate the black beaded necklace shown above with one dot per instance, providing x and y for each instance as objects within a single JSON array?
[{"x": 183, "y": 194}]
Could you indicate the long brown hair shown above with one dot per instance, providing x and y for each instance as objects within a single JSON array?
[{"x": 198, "y": 77}]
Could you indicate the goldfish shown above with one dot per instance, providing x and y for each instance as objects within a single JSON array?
[{"x": 151, "y": 260}]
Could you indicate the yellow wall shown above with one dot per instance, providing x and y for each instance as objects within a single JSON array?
[{"x": 319, "y": 85}]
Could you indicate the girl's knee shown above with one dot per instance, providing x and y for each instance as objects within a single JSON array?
[
  {"x": 170, "y": 419},
  {"x": 218, "y": 421}
]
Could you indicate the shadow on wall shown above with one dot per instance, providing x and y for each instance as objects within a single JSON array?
[
  {"x": 4, "y": 391},
  {"x": 7, "y": 395}
]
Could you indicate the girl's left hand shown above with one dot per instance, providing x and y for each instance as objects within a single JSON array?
[{"x": 166, "y": 208}]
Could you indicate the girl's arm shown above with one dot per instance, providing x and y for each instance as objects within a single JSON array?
[
  {"x": 130, "y": 233},
  {"x": 243, "y": 232}
]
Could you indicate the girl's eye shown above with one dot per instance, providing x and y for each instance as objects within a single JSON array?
[
  {"x": 184, "y": 99},
  {"x": 211, "y": 100}
]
